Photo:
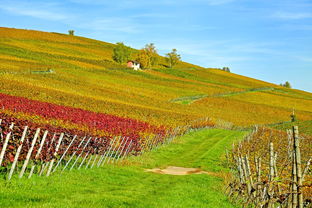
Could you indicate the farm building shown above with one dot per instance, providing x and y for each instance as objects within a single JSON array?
[{"x": 133, "y": 64}]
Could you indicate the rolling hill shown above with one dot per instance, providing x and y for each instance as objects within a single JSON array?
[{"x": 83, "y": 76}]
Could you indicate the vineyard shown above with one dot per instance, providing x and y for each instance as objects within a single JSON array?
[
  {"x": 66, "y": 105},
  {"x": 25, "y": 147},
  {"x": 86, "y": 77},
  {"x": 272, "y": 169}
]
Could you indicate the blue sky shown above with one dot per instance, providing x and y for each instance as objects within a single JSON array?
[{"x": 266, "y": 39}]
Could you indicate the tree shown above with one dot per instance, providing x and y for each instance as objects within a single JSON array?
[
  {"x": 173, "y": 58},
  {"x": 287, "y": 84},
  {"x": 143, "y": 58},
  {"x": 227, "y": 69},
  {"x": 121, "y": 53},
  {"x": 152, "y": 54},
  {"x": 71, "y": 32}
]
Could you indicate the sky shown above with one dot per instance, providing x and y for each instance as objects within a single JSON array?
[{"x": 269, "y": 40}]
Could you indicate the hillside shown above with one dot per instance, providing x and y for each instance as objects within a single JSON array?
[{"x": 84, "y": 76}]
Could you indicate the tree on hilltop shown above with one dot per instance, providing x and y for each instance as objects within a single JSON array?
[
  {"x": 173, "y": 58},
  {"x": 227, "y": 69},
  {"x": 287, "y": 84},
  {"x": 71, "y": 32},
  {"x": 121, "y": 53}
]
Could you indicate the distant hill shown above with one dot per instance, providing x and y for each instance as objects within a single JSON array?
[{"x": 79, "y": 72}]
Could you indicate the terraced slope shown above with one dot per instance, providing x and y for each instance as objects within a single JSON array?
[{"x": 79, "y": 72}]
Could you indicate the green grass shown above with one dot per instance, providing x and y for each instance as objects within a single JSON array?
[
  {"x": 130, "y": 186},
  {"x": 191, "y": 99}
]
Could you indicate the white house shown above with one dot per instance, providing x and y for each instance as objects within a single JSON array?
[{"x": 133, "y": 64}]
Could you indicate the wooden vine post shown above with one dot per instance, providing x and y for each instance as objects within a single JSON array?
[
  {"x": 7, "y": 138},
  {"x": 55, "y": 154},
  {"x": 38, "y": 153},
  {"x": 18, "y": 153},
  {"x": 29, "y": 153},
  {"x": 60, "y": 160},
  {"x": 74, "y": 153},
  {"x": 297, "y": 158}
]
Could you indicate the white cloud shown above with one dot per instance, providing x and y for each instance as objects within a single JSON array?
[{"x": 48, "y": 11}]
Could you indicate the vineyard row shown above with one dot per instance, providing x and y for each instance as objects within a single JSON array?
[{"x": 27, "y": 149}]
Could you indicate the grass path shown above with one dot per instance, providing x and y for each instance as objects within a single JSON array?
[
  {"x": 129, "y": 186},
  {"x": 191, "y": 99}
]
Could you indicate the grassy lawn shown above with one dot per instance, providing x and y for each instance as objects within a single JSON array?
[{"x": 129, "y": 185}]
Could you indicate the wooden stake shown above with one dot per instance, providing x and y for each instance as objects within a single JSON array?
[
  {"x": 115, "y": 150},
  {"x": 294, "y": 182},
  {"x": 102, "y": 160},
  {"x": 109, "y": 151},
  {"x": 81, "y": 153},
  {"x": 240, "y": 170},
  {"x": 84, "y": 158},
  {"x": 306, "y": 168},
  {"x": 55, "y": 154},
  {"x": 44, "y": 166},
  {"x": 74, "y": 153},
  {"x": 127, "y": 150},
  {"x": 248, "y": 175},
  {"x": 29, "y": 153},
  {"x": 271, "y": 175},
  {"x": 123, "y": 148},
  {"x": 88, "y": 153},
  {"x": 60, "y": 160},
  {"x": 18, "y": 152},
  {"x": 38, "y": 153},
  {"x": 298, "y": 166},
  {"x": 8, "y": 136},
  {"x": 89, "y": 161}
]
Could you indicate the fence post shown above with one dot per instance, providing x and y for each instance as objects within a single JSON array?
[
  {"x": 29, "y": 153},
  {"x": 109, "y": 151},
  {"x": 46, "y": 164},
  {"x": 96, "y": 155},
  {"x": 105, "y": 152},
  {"x": 298, "y": 165},
  {"x": 55, "y": 153},
  {"x": 38, "y": 153},
  {"x": 74, "y": 153},
  {"x": 18, "y": 152},
  {"x": 110, "y": 157},
  {"x": 88, "y": 163},
  {"x": 85, "y": 157},
  {"x": 294, "y": 182},
  {"x": 127, "y": 150},
  {"x": 80, "y": 153},
  {"x": 5, "y": 144},
  {"x": 306, "y": 168},
  {"x": 60, "y": 160},
  {"x": 121, "y": 151}
]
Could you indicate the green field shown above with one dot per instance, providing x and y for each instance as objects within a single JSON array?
[{"x": 129, "y": 185}]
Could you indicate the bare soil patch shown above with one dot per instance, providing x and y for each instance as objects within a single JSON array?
[{"x": 172, "y": 170}]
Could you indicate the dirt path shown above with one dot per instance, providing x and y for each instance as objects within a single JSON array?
[{"x": 173, "y": 170}]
